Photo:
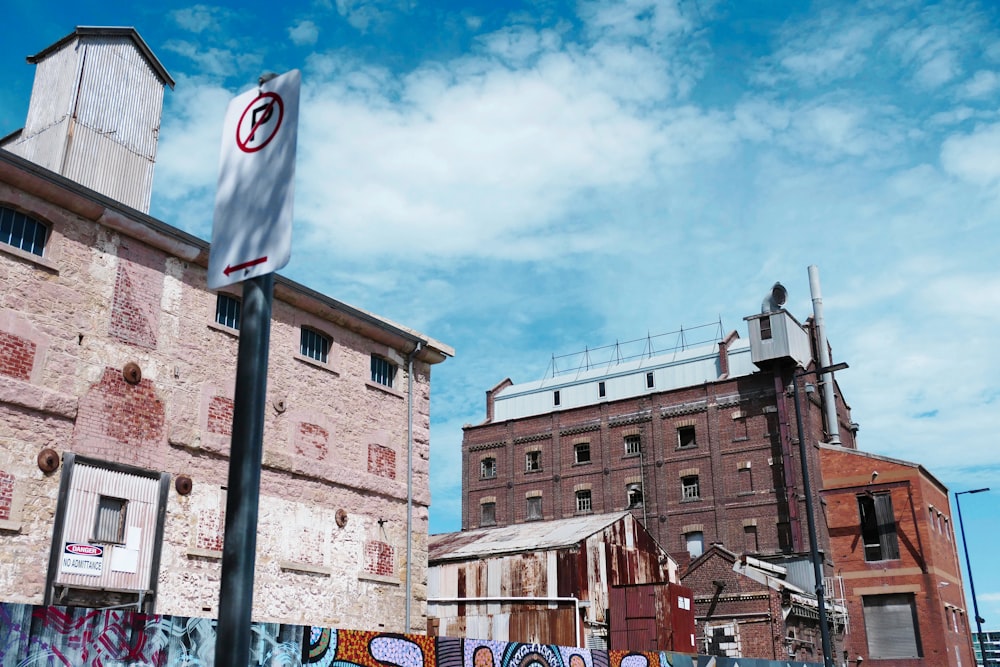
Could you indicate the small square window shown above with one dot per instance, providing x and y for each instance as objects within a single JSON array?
[
  {"x": 227, "y": 311},
  {"x": 488, "y": 468},
  {"x": 583, "y": 501},
  {"x": 383, "y": 371},
  {"x": 488, "y": 514},
  {"x": 634, "y": 494},
  {"x": 649, "y": 380},
  {"x": 689, "y": 488},
  {"x": 765, "y": 328},
  {"x": 582, "y": 452},
  {"x": 686, "y": 437},
  {"x": 532, "y": 461},
  {"x": 633, "y": 444},
  {"x": 555, "y": 397},
  {"x": 534, "y": 508},
  {"x": 601, "y": 390},
  {"x": 109, "y": 525},
  {"x": 314, "y": 345},
  {"x": 22, "y": 232}
]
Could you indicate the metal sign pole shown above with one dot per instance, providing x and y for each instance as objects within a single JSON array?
[{"x": 239, "y": 553}]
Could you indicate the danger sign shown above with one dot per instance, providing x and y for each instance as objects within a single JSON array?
[
  {"x": 87, "y": 559},
  {"x": 252, "y": 228}
]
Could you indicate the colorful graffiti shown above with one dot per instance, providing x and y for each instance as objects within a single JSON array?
[{"x": 77, "y": 637}]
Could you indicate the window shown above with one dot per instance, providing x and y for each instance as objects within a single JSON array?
[
  {"x": 633, "y": 444},
  {"x": 227, "y": 311},
  {"x": 583, "y": 501},
  {"x": 22, "y": 232},
  {"x": 383, "y": 371},
  {"x": 750, "y": 539},
  {"x": 534, "y": 507},
  {"x": 891, "y": 626},
  {"x": 695, "y": 542},
  {"x": 765, "y": 328},
  {"x": 601, "y": 390},
  {"x": 634, "y": 494},
  {"x": 488, "y": 468},
  {"x": 109, "y": 526},
  {"x": 689, "y": 488},
  {"x": 555, "y": 397},
  {"x": 686, "y": 437},
  {"x": 488, "y": 514},
  {"x": 878, "y": 527},
  {"x": 649, "y": 380},
  {"x": 745, "y": 478},
  {"x": 532, "y": 461},
  {"x": 314, "y": 345},
  {"x": 582, "y": 451}
]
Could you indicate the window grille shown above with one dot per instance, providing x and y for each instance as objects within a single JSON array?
[
  {"x": 314, "y": 345},
  {"x": 689, "y": 488},
  {"x": 22, "y": 232},
  {"x": 227, "y": 311},
  {"x": 383, "y": 371},
  {"x": 109, "y": 525},
  {"x": 583, "y": 501},
  {"x": 633, "y": 444}
]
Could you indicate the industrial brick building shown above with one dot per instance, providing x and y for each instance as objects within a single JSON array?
[
  {"x": 117, "y": 384},
  {"x": 700, "y": 443},
  {"x": 894, "y": 543}
]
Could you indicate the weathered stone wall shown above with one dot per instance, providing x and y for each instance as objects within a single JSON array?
[{"x": 73, "y": 321}]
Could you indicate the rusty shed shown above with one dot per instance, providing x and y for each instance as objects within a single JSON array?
[{"x": 547, "y": 582}]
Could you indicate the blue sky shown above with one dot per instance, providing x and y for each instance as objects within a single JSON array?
[{"x": 524, "y": 179}]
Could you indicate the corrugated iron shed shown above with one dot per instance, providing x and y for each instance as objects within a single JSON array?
[{"x": 534, "y": 536}]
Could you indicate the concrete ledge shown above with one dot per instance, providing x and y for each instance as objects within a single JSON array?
[{"x": 295, "y": 566}]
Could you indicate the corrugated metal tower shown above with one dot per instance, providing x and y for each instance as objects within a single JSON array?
[{"x": 95, "y": 110}]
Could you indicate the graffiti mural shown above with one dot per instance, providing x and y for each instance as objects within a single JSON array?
[{"x": 77, "y": 637}]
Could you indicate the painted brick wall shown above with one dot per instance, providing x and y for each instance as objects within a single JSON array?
[
  {"x": 220, "y": 415},
  {"x": 380, "y": 558},
  {"x": 211, "y": 529},
  {"x": 311, "y": 441},
  {"x": 382, "y": 461},
  {"x": 120, "y": 421},
  {"x": 17, "y": 356},
  {"x": 6, "y": 495},
  {"x": 135, "y": 306}
]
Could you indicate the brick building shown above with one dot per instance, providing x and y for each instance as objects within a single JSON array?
[
  {"x": 117, "y": 380},
  {"x": 894, "y": 543}
]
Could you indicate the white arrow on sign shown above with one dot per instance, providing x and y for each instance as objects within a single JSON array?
[{"x": 252, "y": 228}]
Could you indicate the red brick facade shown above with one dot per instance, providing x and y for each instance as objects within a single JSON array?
[
  {"x": 220, "y": 416},
  {"x": 17, "y": 356},
  {"x": 6, "y": 495},
  {"x": 311, "y": 441},
  {"x": 922, "y": 571},
  {"x": 135, "y": 308},
  {"x": 382, "y": 461},
  {"x": 380, "y": 558}
]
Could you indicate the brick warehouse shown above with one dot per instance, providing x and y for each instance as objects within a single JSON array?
[
  {"x": 117, "y": 383},
  {"x": 700, "y": 442}
]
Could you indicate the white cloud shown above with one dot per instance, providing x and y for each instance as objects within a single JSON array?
[
  {"x": 974, "y": 157},
  {"x": 983, "y": 83},
  {"x": 198, "y": 18},
  {"x": 304, "y": 33}
]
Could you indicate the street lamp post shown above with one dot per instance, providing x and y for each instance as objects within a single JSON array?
[
  {"x": 824, "y": 630},
  {"x": 968, "y": 568}
]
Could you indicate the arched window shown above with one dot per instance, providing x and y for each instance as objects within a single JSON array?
[{"x": 22, "y": 232}]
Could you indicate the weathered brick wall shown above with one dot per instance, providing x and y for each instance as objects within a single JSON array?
[{"x": 104, "y": 300}]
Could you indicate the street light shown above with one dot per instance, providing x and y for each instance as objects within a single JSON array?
[
  {"x": 968, "y": 568},
  {"x": 824, "y": 631}
]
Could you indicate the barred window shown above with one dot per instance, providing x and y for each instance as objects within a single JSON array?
[
  {"x": 22, "y": 232},
  {"x": 689, "y": 488},
  {"x": 314, "y": 345},
  {"x": 583, "y": 501},
  {"x": 633, "y": 444},
  {"x": 383, "y": 371},
  {"x": 227, "y": 311}
]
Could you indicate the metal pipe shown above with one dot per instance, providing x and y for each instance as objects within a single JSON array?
[
  {"x": 499, "y": 599},
  {"x": 409, "y": 479},
  {"x": 239, "y": 551},
  {"x": 968, "y": 568},
  {"x": 829, "y": 400},
  {"x": 811, "y": 522}
]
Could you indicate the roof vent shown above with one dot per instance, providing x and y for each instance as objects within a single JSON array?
[{"x": 775, "y": 299}]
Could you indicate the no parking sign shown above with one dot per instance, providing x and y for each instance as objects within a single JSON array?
[{"x": 252, "y": 227}]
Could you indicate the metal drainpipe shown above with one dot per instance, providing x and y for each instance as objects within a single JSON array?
[
  {"x": 499, "y": 599},
  {"x": 826, "y": 380},
  {"x": 409, "y": 479}
]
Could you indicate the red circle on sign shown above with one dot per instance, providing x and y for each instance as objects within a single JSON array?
[{"x": 275, "y": 99}]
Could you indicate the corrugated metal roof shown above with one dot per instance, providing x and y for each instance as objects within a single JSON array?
[
  {"x": 533, "y": 536},
  {"x": 102, "y": 31}
]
